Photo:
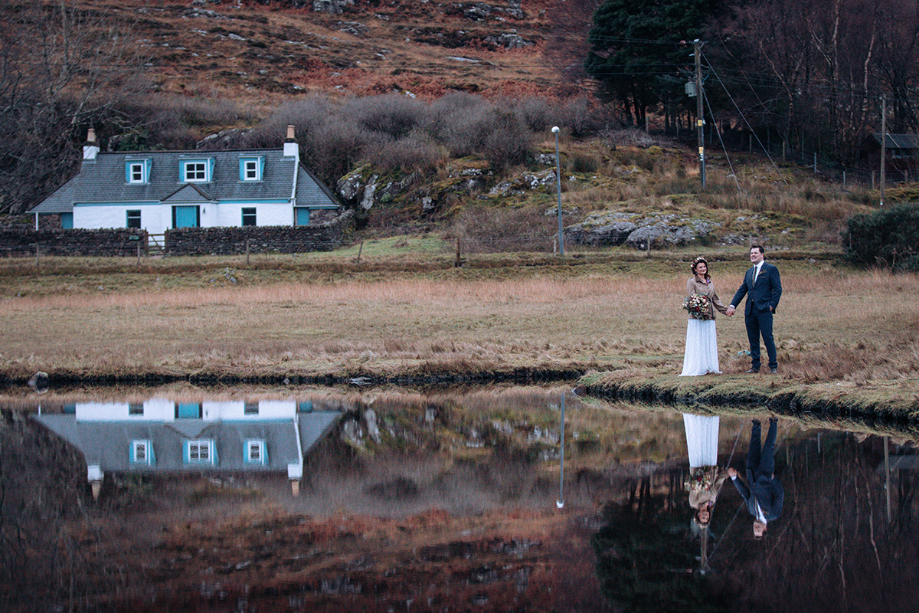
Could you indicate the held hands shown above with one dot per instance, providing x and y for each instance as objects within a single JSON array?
[
  {"x": 732, "y": 473},
  {"x": 730, "y": 311}
]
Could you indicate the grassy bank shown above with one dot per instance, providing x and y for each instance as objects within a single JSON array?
[{"x": 419, "y": 316}]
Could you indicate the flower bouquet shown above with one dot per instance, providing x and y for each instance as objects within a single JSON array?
[
  {"x": 699, "y": 306},
  {"x": 699, "y": 479}
]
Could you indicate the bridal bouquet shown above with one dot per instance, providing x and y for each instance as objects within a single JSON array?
[
  {"x": 699, "y": 306},
  {"x": 699, "y": 479}
]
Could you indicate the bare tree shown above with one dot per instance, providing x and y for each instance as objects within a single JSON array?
[{"x": 62, "y": 70}]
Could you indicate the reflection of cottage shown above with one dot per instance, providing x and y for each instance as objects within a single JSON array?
[
  {"x": 165, "y": 436},
  {"x": 161, "y": 190}
]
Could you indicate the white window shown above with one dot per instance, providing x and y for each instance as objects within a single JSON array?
[
  {"x": 141, "y": 452},
  {"x": 251, "y": 170},
  {"x": 137, "y": 172},
  {"x": 195, "y": 172},
  {"x": 255, "y": 451},
  {"x": 199, "y": 451}
]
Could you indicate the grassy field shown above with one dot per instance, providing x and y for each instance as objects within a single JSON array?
[{"x": 398, "y": 314}]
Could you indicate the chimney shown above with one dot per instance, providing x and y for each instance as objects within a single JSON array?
[
  {"x": 90, "y": 147},
  {"x": 291, "y": 149}
]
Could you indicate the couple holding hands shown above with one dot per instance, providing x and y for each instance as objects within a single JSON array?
[{"x": 761, "y": 286}]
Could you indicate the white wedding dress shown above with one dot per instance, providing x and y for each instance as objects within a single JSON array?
[
  {"x": 701, "y": 439},
  {"x": 701, "y": 349}
]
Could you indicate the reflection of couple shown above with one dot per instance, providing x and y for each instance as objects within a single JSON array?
[
  {"x": 762, "y": 492},
  {"x": 705, "y": 479},
  {"x": 761, "y": 286}
]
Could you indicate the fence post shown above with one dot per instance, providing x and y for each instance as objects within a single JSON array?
[
  {"x": 247, "y": 251},
  {"x": 459, "y": 255},
  {"x": 360, "y": 250},
  {"x": 36, "y": 254}
]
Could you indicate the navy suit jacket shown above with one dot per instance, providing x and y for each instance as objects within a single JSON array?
[
  {"x": 767, "y": 490},
  {"x": 764, "y": 295}
]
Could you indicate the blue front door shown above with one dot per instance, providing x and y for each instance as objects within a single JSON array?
[
  {"x": 185, "y": 217},
  {"x": 67, "y": 221},
  {"x": 303, "y": 216}
]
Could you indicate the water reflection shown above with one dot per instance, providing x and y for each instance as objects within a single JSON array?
[
  {"x": 429, "y": 501},
  {"x": 165, "y": 435}
]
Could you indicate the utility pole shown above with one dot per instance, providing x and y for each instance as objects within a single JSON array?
[
  {"x": 700, "y": 122},
  {"x": 558, "y": 184},
  {"x": 883, "y": 143}
]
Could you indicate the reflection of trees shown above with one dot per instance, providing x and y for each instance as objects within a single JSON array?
[
  {"x": 44, "y": 561},
  {"x": 644, "y": 558},
  {"x": 833, "y": 548}
]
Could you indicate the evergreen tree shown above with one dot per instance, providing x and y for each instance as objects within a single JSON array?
[{"x": 640, "y": 50}]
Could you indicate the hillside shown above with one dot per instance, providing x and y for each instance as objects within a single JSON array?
[{"x": 264, "y": 52}]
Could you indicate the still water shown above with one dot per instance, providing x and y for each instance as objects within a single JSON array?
[{"x": 479, "y": 499}]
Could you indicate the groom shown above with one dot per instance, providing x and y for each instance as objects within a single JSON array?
[
  {"x": 763, "y": 493},
  {"x": 765, "y": 288}
]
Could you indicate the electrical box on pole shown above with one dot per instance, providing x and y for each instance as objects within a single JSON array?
[{"x": 700, "y": 117}]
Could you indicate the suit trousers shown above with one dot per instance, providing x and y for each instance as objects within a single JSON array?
[
  {"x": 760, "y": 324},
  {"x": 761, "y": 462}
]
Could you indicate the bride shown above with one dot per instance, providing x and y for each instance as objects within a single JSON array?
[{"x": 701, "y": 340}]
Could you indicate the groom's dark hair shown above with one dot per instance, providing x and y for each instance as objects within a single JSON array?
[{"x": 760, "y": 247}]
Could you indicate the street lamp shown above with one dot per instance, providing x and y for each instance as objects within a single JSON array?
[{"x": 558, "y": 184}]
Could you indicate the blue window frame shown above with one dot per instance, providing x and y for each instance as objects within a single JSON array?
[
  {"x": 249, "y": 217},
  {"x": 197, "y": 171},
  {"x": 255, "y": 452},
  {"x": 141, "y": 452},
  {"x": 200, "y": 451},
  {"x": 133, "y": 219},
  {"x": 251, "y": 168},
  {"x": 137, "y": 171}
]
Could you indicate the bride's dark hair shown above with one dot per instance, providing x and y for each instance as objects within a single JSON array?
[{"x": 700, "y": 260}]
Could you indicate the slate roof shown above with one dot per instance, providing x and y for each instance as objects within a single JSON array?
[
  {"x": 898, "y": 141},
  {"x": 103, "y": 180},
  {"x": 107, "y": 443}
]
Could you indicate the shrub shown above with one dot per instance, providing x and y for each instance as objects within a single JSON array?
[
  {"x": 887, "y": 238},
  {"x": 406, "y": 154},
  {"x": 393, "y": 115},
  {"x": 506, "y": 141}
]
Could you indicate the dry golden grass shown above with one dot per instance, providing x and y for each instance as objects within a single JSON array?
[{"x": 831, "y": 325}]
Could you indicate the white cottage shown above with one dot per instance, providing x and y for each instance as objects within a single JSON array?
[
  {"x": 168, "y": 436},
  {"x": 161, "y": 190}
]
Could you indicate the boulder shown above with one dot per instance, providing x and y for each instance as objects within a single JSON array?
[{"x": 611, "y": 234}]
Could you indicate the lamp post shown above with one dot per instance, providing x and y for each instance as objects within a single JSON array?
[
  {"x": 560, "y": 503},
  {"x": 558, "y": 184}
]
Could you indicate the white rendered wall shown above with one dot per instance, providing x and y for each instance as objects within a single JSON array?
[
  {"x": 155, "y": 218},
  {"x": 163, "y": 410},
  {"x": 230, "y": 215}
]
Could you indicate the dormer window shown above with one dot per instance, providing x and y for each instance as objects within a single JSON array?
[
  {"x": 200, "y": 452},
  {"x": 255, "y": 452},
  {"x": 197, "y": 171},
  {"x": 251, "y": 168},
  {"x": 142, "y": 452},
  {"x": 137, "y": 171}
]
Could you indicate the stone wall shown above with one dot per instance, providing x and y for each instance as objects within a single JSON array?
[
  {"x": 261, "y": 239},
  {"x": 19, "y": 242}
]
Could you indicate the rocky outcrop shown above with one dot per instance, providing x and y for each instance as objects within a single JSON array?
[{"x": 612, "y": 228}]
